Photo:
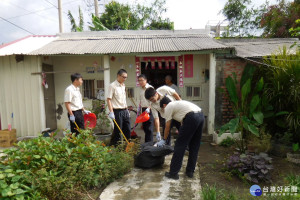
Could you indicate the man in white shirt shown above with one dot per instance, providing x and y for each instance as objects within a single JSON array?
[
  {"x": 117, "y": 105},
  {"x": 148, "y": 125},
  {"x": 190, "y": 133},
  {"x": 155, "y": 96},
  {"x": 168, "y": 81},
  {"x": 73, "y": 103}
]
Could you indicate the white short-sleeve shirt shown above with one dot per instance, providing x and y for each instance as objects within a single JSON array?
[
  {"x": 73, "y": 95},
  {"x": 178, "y": 109},
  {"x": 117, "y": 94},
  {"x": 162, "y": 91},
  {"x": 144, "y": 102}
]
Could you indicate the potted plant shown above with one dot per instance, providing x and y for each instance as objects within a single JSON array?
[
  {"x": 104, "y": 127},
  {"x": 295, "y": 155}
]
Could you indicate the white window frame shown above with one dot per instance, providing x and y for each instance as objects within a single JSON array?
[
  {"x": 96, "y": 89},
  {"x": 193, "y": 97}
]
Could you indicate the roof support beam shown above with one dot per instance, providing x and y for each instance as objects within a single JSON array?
[
  {"x": 106, "y": 74},
  {"x": 212, "y": 93}
]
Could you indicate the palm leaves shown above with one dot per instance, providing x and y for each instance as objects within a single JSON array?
[
  {"x": 283, "y": 87},
  {"x": 75, "y": 27}
]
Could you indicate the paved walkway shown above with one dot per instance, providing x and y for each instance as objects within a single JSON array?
[{"x": 151, "y": 184}]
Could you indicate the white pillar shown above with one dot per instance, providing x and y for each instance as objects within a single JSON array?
[
  {"x": 212, "y": 93},
  {"x": 106, "y": 74}
]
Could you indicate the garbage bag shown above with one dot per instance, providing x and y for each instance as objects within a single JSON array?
[{"x": 151, "y": 156}]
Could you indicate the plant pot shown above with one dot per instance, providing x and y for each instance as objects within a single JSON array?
[
  {"x": 293, "y": 157},
  {"x": 104, "y": 137}
]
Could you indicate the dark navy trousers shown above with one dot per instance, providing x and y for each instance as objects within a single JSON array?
[
  {"x": 148, "y": 127},
  {"x": 123, "y": 119},
  {"x": 79, "y": 121},
  {"x": 189, "y": 135}
]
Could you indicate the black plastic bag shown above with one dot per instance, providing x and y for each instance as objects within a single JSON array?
[{"x": 151, "y": 156}]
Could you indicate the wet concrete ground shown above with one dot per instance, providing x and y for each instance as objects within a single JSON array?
[{"x": 151, "y": 184}]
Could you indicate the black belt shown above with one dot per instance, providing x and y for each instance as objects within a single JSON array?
[
  {"x": 192, "y": 112},
  {"x": 120, "y": 108}
]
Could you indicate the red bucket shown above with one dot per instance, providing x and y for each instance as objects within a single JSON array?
[
  {"x": 142, "y": 118},
  {"x": 90, "y": 120}
]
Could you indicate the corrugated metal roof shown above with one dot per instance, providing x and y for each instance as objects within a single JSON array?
[
  {"x": 259, "y": 47},
  {"x": 26, "y": 45},
  {"x": 128, "y": 41}
]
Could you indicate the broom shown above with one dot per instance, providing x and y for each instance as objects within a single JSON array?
[{"x": 129, "y": 144}]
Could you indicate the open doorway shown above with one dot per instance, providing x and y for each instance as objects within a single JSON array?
[
  {"x": 156, "y": 77},
  {"x": 49, "y": 98}
]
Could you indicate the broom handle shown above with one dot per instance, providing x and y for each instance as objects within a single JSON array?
[
  {"x": 121, "y": 131},
  {"x": 77, "y": 126}
]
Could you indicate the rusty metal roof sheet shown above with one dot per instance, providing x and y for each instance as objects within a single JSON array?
[
  {"x": 259, "y": 47},
  {"x": 127, "y": 42}
]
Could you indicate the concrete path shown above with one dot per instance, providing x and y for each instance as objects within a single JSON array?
[{"x": 151, "y": 184}]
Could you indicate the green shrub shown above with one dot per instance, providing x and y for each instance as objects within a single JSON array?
[
  {"x": 228, "y": 142},
  {"x": 65, "y": 169},
  {"x": 14, "y": 185},
  {"x": 282, "y": 79}
]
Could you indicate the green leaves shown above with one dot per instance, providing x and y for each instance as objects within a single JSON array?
[
  {"x": 254, "y": 103},
  {"x": 232, "y": 90},
  {"x": 245, "y": 91},
  {"x": 46, "y": 167},
  {"x": 232, "y": 126},
  {"x": 259, "y": 117}
]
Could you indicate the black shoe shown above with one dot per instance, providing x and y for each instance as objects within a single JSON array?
[
  {"x": 189, "y": 174},
  {"x": 172, "y": 176}
]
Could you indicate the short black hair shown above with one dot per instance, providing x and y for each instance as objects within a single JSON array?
[
  {"x": 163, "y": 101},
  {"x": 121, "y": 71},
  {"x": 75, "y": 76},
  {"x": 150, "y": 92},
  {"x": 142, "y": 76}
]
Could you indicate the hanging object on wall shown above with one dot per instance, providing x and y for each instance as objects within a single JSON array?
[
  {"x": 130, "y": 66},
  {"x": 44, "y": 82},
  {"x": 188, "y": 66},
  {"x": 95, "y": 64},
  {"x": 137, "y": 70},
  {"x": 159, "y": 60},
  {"x": 152, "y": 64},
  {"x": 112, "y": 58},
  {"x": 172, "y": 64},
  {"x": 167, "y": 64},
  {"x": 90, "y": 70},
  {"x": 180, "y": 62}
]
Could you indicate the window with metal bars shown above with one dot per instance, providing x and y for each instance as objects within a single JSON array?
[
  {"x": 193, "y": 92},
  {"x": 89, "y": 89}
]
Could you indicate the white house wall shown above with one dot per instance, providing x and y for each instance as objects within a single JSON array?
[
  {"x": 200, "y": 63},
  {"x": 21, "y": 94},
  {"x": 63, "y": 67}
]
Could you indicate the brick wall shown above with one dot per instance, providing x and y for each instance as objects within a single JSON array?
[{"x": 225, "y": 67}]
